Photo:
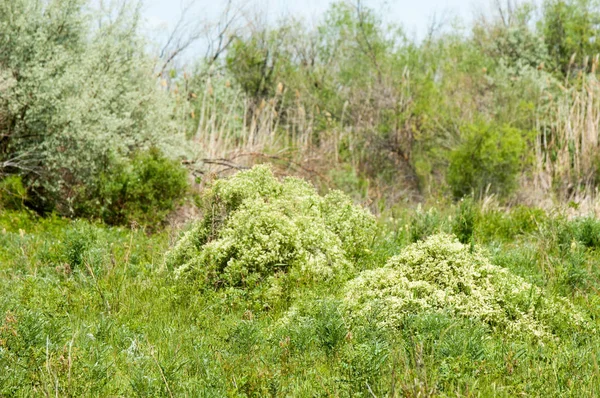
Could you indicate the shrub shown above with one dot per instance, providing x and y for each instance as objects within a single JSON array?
[
  {"x": 12, "y": 193},
  {"x": 75, "y": 94},
  {"x": 256, "y": 226},
  {"x": 144, "y": 190},
  {"x": 489, "y": 156},
  {"x": 441, "y": 274}
]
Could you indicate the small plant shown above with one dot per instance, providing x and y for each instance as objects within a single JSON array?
[
  {"x": 78, "y": 241},
  {"x": 329, "y": 326},
  {"x": 425, "y": 223},
  {"x": 464, "y": 223}
]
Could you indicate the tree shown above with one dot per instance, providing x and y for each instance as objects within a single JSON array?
[{"x": 570, "y": 29}]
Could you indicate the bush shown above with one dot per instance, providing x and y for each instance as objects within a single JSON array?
[
  {"x": 12, "y": 193},
  {"x": 489, "y": 156},
  {"x": 143, "y": 191},
  {"x": 256, "y": 226},
  {"x": 75, "y": 94},
  {"x": 442, "y": 275}
]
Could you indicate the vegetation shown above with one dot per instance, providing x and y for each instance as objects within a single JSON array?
[
  {"x": 507, "y": 107},
  {"x": 440, "y": 274},
  {"x": 91, "y": 310},
  {"x": 340, "y": 210},
  {"x": 256, "y": 227},
  {"x": 77, "y": 99},
  {"x": 142, "y": 190}
]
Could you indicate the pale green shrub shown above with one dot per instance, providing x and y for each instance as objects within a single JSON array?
[
  {"x": 442, "y": 275},
  {"x": 256, "y": 226}
]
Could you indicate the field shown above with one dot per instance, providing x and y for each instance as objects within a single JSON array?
[
  {"x": 229, "y": 204},
  {"x": 91, "y": 310}
]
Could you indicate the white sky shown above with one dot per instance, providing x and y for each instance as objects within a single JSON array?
[{"x": 413, "y": 15}]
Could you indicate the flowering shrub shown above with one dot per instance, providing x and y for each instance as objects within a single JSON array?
[
  {"x": 256, "y": 226},
  {"x": 442, "y": 275}
]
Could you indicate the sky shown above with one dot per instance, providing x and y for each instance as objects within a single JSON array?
[{"x": 413, "y": 15}]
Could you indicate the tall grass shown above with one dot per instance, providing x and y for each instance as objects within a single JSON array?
[
  {"x": 87, "y": 310},
  {"x": 567, "y": 145},
  {"x": 231, "y": 125}
]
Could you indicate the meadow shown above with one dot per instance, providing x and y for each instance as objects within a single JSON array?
[
  {"x": 334, "y": 208},
  {"x": 92, "y": 310}
]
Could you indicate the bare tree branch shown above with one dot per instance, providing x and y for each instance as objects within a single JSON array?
[
  {"x": 22, "y": 162},
  {"x": 226, "y": 31},
  {"x": 188, "y": 30}
]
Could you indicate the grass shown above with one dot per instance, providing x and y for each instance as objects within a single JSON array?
[{"x": 90, "y": 310}]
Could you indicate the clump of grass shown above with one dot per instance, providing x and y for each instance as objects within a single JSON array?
[
  {"x": 464, "y": 223},
  {"x": 424, "y": 223},
  {"x": 588, "y": 232},
  {"x": 505, "y": 225}
]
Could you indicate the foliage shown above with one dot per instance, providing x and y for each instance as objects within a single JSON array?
[
  {"x": 12, "y": 193},
  {"x": 440, "y": 274},
  {"x": 589, "y": 232},
  {"x": 86, "y": 310},
  {"x": 488, "y": 161},
  {"x": 424, "y": 223},
  {"x": 464, "y": 223},
  {"x": 255, "y": 62},
  {"x": 143, "y": 191},
  {"x": 256, "y": 226},
  {"x": 277, "y": 290},
  {"x": 570, "y": 28},
  {"x": 496, "y": 224},
  {"x": 403, "y": 115},
  {"x": 77, "y": 91}
]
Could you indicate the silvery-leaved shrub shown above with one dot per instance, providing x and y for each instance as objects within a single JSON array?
[
  {"x": 78, "y": 91},
  {"x": 256, "y": 226},
  {"x": 442, "y": 275}
]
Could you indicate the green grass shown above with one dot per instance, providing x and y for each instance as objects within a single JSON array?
[{"x": 90, "y": 310}]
